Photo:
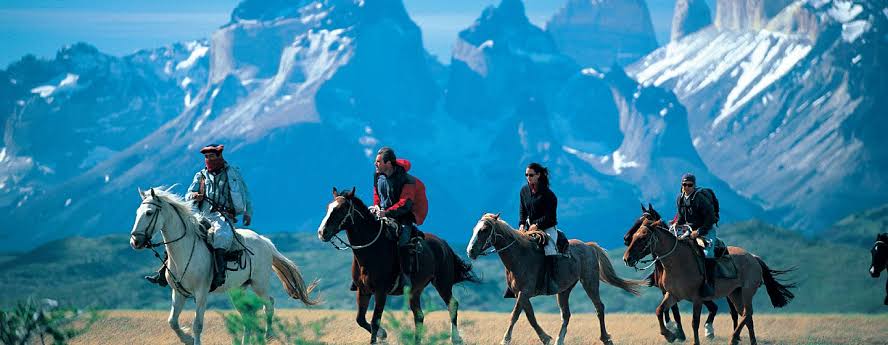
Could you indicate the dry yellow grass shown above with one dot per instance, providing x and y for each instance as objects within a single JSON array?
[{"x": 150, "y": 327}]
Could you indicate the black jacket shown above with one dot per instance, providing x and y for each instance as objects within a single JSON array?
[
  {"x": 700, "y": 214},
  {"x": 539, "y": 208}
]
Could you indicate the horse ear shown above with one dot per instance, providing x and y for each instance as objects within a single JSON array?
[
  {"x": 497, "y": 215},
  {"x": 642, "y": 208},
  {"x": 650, "y": 207},
  {"x": 152, "y": 193},
  {"x": 335, "y": 193},
  {"x": 352, "y": 193}
]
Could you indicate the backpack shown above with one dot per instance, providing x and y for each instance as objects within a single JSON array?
[
  {"x": 710, "y": 194},
  {"x": 420, "y": 202}
]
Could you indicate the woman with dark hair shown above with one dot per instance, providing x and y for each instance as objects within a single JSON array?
[{"x": 538, "y": 213}]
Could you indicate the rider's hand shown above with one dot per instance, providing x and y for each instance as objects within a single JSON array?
[
  {"x": 382, "y": 213},
  {"x": 247, "y": 220},
  {"x": 374, "y": 210},
  {"x": 196, "y": 196},
  {"x": 521, "y": 228},
  {"x": 695, "y": 234},
  {"x": 533, "y": 227}
]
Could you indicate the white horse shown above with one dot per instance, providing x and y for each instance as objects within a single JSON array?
[{"x": 190, "y": 262}]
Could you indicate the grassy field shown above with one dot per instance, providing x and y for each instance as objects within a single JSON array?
[{"x": 150, "y": 327}]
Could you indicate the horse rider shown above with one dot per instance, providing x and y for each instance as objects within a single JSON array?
[
  {"x": 394, "y": 192},
  {"x": 220, "y": 194},
  {"x": 538, "y": 212},
  {"x": 697, "y": 211}
]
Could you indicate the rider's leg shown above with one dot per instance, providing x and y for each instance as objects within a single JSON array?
[{"x": 223, "y": 235}]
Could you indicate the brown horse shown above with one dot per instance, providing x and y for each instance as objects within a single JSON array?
[
  {"x": 588, "y": 263},
  {"x": 375, "y": 268},
  {"x": 880, "y": 259},
  {"x": 682, "y": 278},
  {"x": 655, "y": 279}
]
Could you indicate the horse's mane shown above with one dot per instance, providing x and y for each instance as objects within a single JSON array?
[
  {"x": 359, "y": 204},
  {"x": 185, "y": 208},
  {"x": 495, "y": 218}
]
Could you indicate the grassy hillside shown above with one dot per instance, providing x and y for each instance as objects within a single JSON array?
[{"x": 105, "y": 272}]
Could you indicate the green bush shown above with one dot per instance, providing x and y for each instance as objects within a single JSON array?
[
  {"x": 248, "y": 319},
  {"x": 30, "y": 320}
]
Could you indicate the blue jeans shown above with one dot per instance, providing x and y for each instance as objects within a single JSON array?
[{"x": 711, "y": 239}]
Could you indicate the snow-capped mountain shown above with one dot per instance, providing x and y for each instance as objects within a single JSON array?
[
  {"x": 785, "y": 103},
  {"x": 600, "y": 33},
  {"x": 66, "y": 115},
  {"x": 303, "y": 94}
]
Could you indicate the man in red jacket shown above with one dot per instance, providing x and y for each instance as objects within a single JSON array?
[{"x": 394, "y": 196}]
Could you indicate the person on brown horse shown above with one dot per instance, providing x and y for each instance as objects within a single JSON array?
[
  {"x": 696, "y": 209},
  {"x": 538, "y": 214},
  {"x": 681, "y": 278},
  {"x": 394, "y": 192},
  {"x": 220, "y": 195}
]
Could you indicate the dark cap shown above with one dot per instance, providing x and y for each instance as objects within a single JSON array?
[
  {"x": 212, "y": 148},
  {"x": 688, "y": 177}
]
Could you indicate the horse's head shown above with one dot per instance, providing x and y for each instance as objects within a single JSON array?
[
  {"x": 482, "y": 235},
  {"x": 649, "y": 214},
  {"x": 339, "y": 211},
  {"x": 148, "y": 218},
  {"x": 880, "y": 255},
  {"x": 642, "y": 242}
]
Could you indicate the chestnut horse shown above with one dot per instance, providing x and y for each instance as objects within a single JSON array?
[
  {"x": 654, "y": 279},
  {"x": 682, "y": 278}
]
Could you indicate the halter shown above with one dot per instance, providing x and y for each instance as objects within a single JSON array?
[
  {"x": 490, "y": 241},
  {"x": 152, "y": 224},
  {"x": 350, "y": 215},
  {"x": 652, "y": 239}
]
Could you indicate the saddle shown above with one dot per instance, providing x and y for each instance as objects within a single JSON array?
[
  {"x": 724, "y": 263},
  {"x": 541, "y": 240},
  {"x": 234, "y": 253}
]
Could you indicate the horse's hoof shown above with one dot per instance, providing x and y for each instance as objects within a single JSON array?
[
  {"x": 670, "y": 337},
  {"x": 607, "y": 342},
  {"x": 506, "y": 342},
  {"x": 680, "y": 336},
  {"x": 546, "y": 340},
  {"x": 735, "y": 341},
  {"x": 381, "y": 334}
]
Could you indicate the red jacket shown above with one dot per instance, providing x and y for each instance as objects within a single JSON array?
[{"x": 412, "y": 204}]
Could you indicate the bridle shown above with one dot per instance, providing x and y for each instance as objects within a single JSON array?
[
  {"x": 152, "y": 224},
  {"x": 651, "y": 246},
  {"x": 351, "y": 216},
  {"x": 489, "y": 243}
]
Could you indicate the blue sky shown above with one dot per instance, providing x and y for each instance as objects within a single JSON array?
[{"x": 41, "y": 27}]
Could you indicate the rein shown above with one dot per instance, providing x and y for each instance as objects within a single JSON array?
[
  {"x": 490, "y": 243},
  {"x": 152, "y": 224},
  {"x": 651, "y": 245},
  {"x": 350, "y": 215}
]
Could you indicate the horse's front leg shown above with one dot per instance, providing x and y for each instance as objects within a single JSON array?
[
  {"x": 663, "y": 308},
  {"x": 695, "y": 321},
  {"x": 564, "y": 305},
  {"x": 516, "y": 312},
  {"x": 531, "y": 317},
  {"x": 200, "y": 302},
  {"x": 173, "y": 319},
  {"x": 418, "y": 316},
  {"x": 363, "y": 301},
  {"x": 375, "y": 330}
]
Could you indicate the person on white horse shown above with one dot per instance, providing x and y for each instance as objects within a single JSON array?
[{"x": 221, "y": 196}]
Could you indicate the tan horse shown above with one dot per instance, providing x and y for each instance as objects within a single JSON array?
[
  {"x": 588, "y": 263},
  {"x": 682, "y": 279}
]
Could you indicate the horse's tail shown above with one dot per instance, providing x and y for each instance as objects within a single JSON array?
[
  {"x": 608, "y": 275},
  {"x": 462, "y": 269},
  {"x": 779, "y": 292},
  {"x": 290, "y": 276}
]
